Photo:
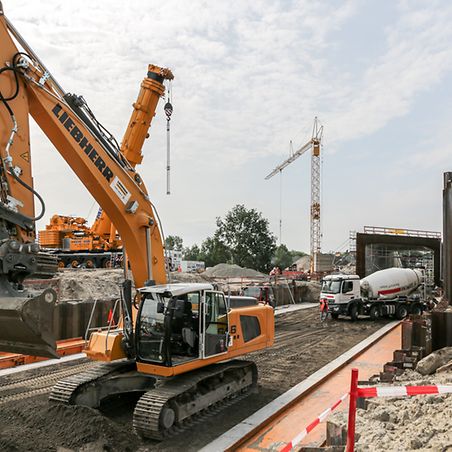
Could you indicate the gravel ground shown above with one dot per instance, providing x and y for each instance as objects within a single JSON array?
[{"x": 32, "y": 424}]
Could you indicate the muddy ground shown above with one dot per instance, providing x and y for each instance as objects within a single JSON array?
[{"x": 29, "y": 423}]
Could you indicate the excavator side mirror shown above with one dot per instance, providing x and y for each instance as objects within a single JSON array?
[{"x": 160, "y": 307}]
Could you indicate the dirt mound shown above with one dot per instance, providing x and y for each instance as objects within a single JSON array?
[
  {"x": 182, "y": 277},
  {"x": 232, "y": 271},
  {"x": 46, "y": 426}
]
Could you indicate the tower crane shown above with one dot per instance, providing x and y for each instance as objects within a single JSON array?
[{"x": 314, "y": 145}]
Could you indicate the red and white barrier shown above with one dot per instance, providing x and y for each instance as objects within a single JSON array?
[
  {"x": 297, "y": 440},
  {"x": 382, "y": 391},
  {"x": 397, "y": 391},
  {"x": 356, "y": 393}
]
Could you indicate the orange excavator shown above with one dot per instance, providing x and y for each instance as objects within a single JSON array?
[
  {"x": 176, "y": 345},
  {"x": 70, "y": 238}
]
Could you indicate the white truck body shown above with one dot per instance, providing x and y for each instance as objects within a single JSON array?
[{"x": 388, "y": 291}]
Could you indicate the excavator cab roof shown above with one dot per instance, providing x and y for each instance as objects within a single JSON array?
[{"x": 176, "y": 289}]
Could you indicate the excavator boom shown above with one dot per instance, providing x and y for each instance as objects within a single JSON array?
[{"x": 28, "y": 88}]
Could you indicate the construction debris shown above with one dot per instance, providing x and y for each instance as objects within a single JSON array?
[
  {"x": 434, "y": 361},
  {"x": 404, "y": 423}
]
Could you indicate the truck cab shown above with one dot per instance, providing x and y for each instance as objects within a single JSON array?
[{"x": 339, "y": 291}]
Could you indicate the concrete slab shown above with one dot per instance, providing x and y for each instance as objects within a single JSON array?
[
  {"x": 274, "y": 409},
  {"x": 48, "y": 362}
]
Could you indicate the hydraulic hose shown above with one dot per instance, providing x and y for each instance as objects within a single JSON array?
[
  {"x": 24, "y": 184},
  {"x": 14, "y": 69}
]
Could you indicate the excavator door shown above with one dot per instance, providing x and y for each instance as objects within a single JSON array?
[{"x": 214, "y": 324}]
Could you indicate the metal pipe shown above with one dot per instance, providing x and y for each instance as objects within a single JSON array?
[
  {"x": 447, "y": 236},
  {"x": 90, "y": 320},
  {"x": 149, "y": 253}
]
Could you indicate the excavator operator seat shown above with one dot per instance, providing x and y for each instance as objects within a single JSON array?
[{"x": 174, "y": 334}]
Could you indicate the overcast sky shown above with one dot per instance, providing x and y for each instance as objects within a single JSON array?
[{"x": 249, "y": 77}]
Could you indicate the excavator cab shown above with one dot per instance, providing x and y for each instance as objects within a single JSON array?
[{"x": 181, "y": 322}]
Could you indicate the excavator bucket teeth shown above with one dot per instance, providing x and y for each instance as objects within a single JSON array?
[{"x": 26, "y": 324}]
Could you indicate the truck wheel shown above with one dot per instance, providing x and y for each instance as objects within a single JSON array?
[
  {"x": 416, "y": 309},
  {"x": 375, "y": 313},
  {"x": 401, "y": 311},
  {"x": 334, "y": 315},
  {"x": 353, "y": 312}
]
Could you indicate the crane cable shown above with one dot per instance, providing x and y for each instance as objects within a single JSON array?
[{"x": 168, "y": 112}]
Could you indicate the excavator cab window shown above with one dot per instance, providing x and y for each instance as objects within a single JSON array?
[
  {"x": 168, "y": 328},
  {"x": 214, "y": 324}
]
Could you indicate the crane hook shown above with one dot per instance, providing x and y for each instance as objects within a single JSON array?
[{"x": 168, "y": 111}]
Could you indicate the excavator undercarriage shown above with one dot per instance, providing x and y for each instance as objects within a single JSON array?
[{"x": 167, "y": 405}]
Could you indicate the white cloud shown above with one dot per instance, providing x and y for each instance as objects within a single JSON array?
[{"x": 249, "y": 77}]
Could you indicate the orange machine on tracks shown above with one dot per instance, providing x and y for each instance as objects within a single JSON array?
[{"x": 175, "y": 342}]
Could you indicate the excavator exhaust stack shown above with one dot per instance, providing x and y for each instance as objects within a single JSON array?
[{"x": 26, "y": 323}]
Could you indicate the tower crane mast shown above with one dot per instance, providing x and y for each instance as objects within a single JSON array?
[{"x": 314, "y": 145}]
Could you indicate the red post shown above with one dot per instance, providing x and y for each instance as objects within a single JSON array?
[{"x": 352, "y": 411}]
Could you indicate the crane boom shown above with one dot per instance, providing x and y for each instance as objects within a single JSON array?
[{"x": 291, "y": 159}]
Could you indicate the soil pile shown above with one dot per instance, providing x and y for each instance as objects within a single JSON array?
[
  {"x": 81, "y": 284},
  {"x": 232, "y": 271},
  {"x": 36, "y": 425}
]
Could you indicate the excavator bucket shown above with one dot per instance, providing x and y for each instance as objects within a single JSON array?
[{"x": 26, "y": 324}]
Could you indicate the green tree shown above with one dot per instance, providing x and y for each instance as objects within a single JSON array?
[
  {"x": 283, "y": 257},
  {"x": 174, "y": 242},
  {"x": 214, "y": 252},
  {"x": 192, "y": 253},
  {"x": 246, "y": 234}
]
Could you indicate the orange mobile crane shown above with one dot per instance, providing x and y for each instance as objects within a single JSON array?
[
  {"x": 69, "y": 238},
  {"x": 175, "y": 343}
]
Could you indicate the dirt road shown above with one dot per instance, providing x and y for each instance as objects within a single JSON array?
[{"x": 29, "y": 423}]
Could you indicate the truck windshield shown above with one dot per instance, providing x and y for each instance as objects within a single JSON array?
[{"x": 331, "y": 286}]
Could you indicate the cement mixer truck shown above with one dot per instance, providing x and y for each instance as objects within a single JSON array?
[{"x": 390, "y": 292}]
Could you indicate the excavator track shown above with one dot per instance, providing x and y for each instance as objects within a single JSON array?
[
  {"x": 175, "y": 404},
  {"x": 67, "y": 390}
]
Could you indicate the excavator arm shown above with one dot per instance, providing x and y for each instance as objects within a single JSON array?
[{"x": 27, "y": 87}]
